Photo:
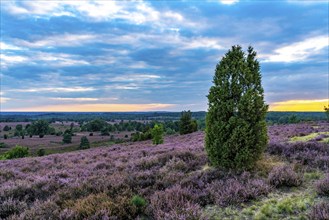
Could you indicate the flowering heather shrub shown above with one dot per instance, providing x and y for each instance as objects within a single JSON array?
[
  {"x": 284, "y": 176},
  {"x": 234, "y": 191},
  {"x": 322, "y": 186},
  {"x": 10, "y": 207},
  {"x": 313, "y": 154},
  {"x": 320, "y": 211},
  {"x": 175, "y": 203}
]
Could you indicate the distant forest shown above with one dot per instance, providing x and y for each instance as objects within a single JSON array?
[{"x": 271, "y": 118}]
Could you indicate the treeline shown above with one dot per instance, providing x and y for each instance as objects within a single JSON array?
[{"x": 271, "y": 117}]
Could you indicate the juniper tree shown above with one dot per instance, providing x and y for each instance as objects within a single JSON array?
[
  {"x": 84, "y": 143},
  {"x": 186, "y": 124},
  {"x": 67, "y": 138},
  {"x": 236, "y": 133}
]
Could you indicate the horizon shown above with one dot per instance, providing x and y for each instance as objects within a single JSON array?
[{"x": 156, "y": 56}]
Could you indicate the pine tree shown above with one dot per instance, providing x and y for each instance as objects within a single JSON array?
[{"x": 236, "y": 133}]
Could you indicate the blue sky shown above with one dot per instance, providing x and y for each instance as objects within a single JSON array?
[{"x": 156, "y": 55}]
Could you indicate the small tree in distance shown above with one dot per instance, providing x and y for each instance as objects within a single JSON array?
[
  {"x": 84, "y": 143},
  {"x": 157, "y": 134},
  {"x": 67, "y": 138},
  {"x": 236, "y": 133},
  {"x": 186, "y": 124}
]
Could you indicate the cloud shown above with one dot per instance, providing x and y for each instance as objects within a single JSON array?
[
  {"x": 68, "y": 40},
  {"x": 5, "y": 46},
  {"x": 97, "y": 108},
  {"x": 4, "y": 99},
  {"x": 299, "y": 105},
  {"x": 55, "y": 89},
  {"x": 75, "y": 99},
  {"x": 299, "y": 51},
  {"x": 228, "y": 2}
]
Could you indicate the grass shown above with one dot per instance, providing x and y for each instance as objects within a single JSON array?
[
  {"x": 279, "y": 205},
  {"x": 309, "y": 137}
]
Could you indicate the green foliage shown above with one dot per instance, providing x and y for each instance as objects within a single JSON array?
[
  {"x": 6, "y": 128},
  {"x": 236, "y": 133},
  {"x": 19, "y": 127},
  {"x": 139, "y": 202},
  {"x": 40, "y": 127},
  {"x": 105, "y": 131},
  {"x": 67, "y": 138},
  {"x": 41, "y": 152},
  {"x": 95, "y": 125},
  {"x": 84, "y": 143},
  {"x": 186, "y": 124},
  {"x": 157, "y": 134},
  {"x": 2, "y": 145},
  {"x": 16, "y": 152}
]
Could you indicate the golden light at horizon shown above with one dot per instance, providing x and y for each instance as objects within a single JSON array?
[{"x": 300, "y": 105}]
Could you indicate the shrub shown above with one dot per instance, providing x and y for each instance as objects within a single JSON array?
[
  {"x": 322, "y": 186},
  {"x": 6, "y": 128},
  {"x": 320, "y": 211},
  {"x": 105, "y": 131},
  {"x": 17, "y": 152},
  {"x": 186, "y": 124},
  {"x": 175, "y": 203},
  {"x": 41, "y": 152},
  {"x": 84, "y": 143},
  {"x": 139, "y": 202},
  {"x": 2, "y": 145},
  {"x": 5, "y": 136},
  {"x": 157, "y": 133},
  {"x": 236, "y": 133},
  {"x": 19, "y": 127},
  {"x": 67, "y": 138},
  {"x": 10, "y": 207},
  {"x": 284, "y": 176}
]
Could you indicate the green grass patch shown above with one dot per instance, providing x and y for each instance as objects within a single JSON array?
[
  {"x": 276, "y": 206},
  {"x": 308, "y": 137}
]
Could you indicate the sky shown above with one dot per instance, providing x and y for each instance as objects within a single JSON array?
[{"x": 157, "y": 55}]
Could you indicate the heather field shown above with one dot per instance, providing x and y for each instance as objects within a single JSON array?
[{"x": 173, "y": 181}]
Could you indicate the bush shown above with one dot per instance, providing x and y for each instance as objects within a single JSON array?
[
  {"x": 284, "y": 176},
  {"x": 17, "y": 152},
  {"x": 67, "y": 138},
  {"x": 84, "y": 143},
  {"x": 6, "y": 128},
  {"x": 105, "y": 131},
  {"x": 41, "y": 152},
  {"x": 322, "y": 186},
  {"x": 2, "y": 145},
  {"x": 157, "y": 133},
  {"x": 5, "y": 136},
  {"x": 139, "y": 202},
  {"x": 320, "y": 211},
  {"x": 236, "y": 133},
  {"x": 175, "y": 203}
]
